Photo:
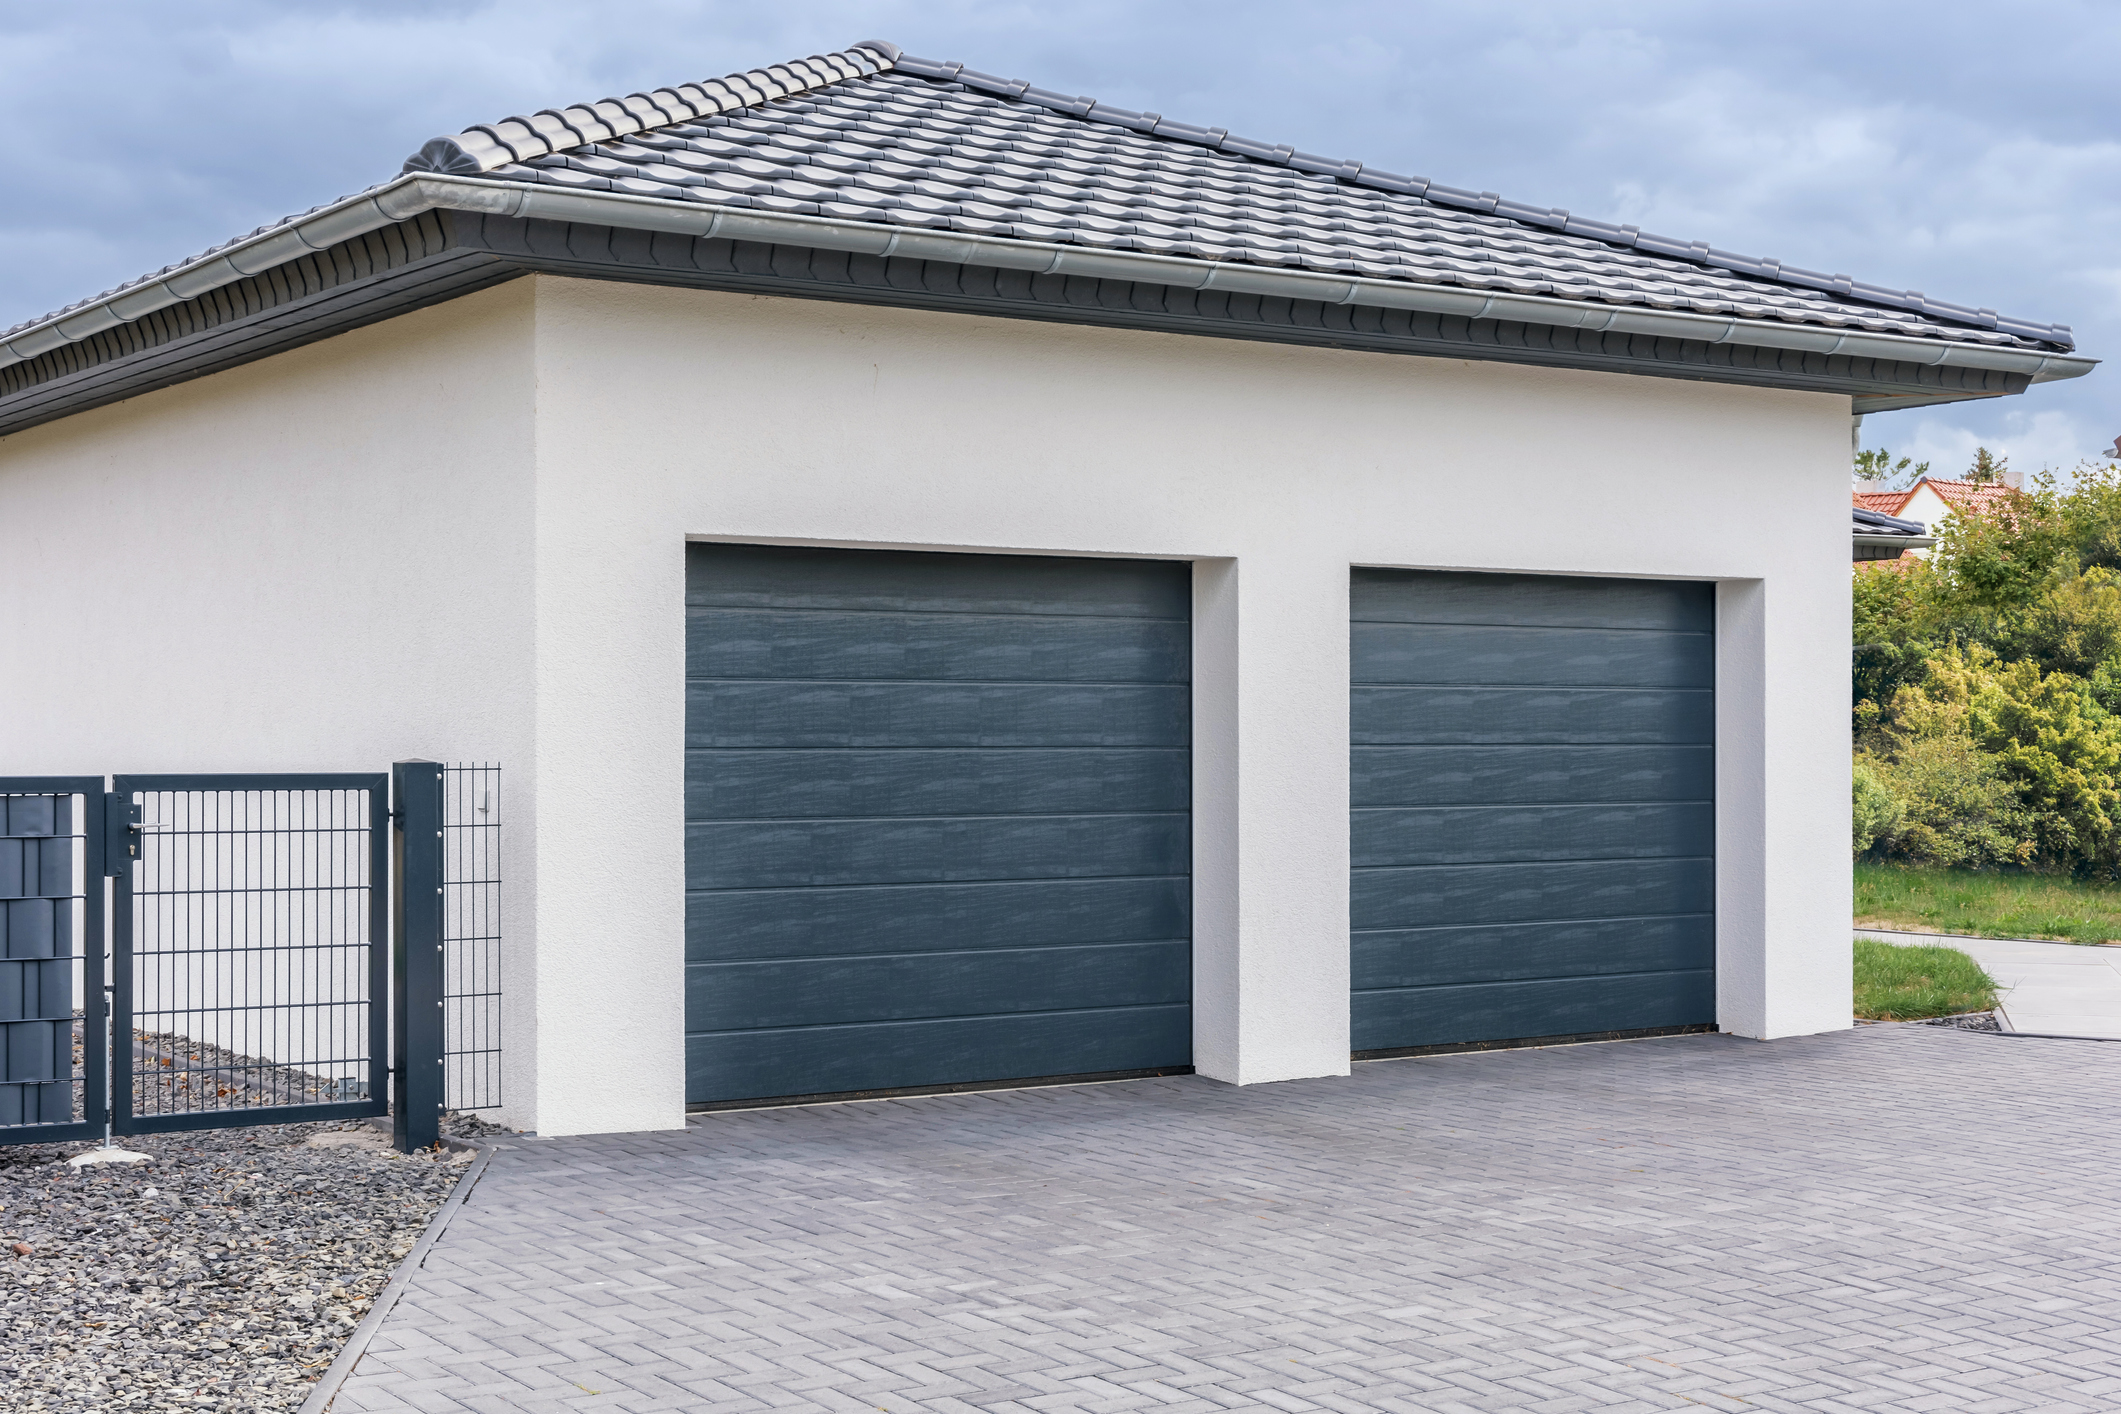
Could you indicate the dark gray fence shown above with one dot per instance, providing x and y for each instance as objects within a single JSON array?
[
  {"x": 246, "y": 975},
  {"x": 53, "y": 1083}
]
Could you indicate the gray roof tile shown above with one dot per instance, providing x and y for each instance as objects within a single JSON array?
[
  {"x": 873, "y": 134},
  {"x": 1879, "y": 523}
]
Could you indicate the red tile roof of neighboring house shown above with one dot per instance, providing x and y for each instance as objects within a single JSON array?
[{"x": 1974, "y": 496}]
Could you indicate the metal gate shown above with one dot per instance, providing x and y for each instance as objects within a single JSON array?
[{"x": 250, "y": 949}]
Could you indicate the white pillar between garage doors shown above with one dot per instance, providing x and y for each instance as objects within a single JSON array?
[{"x": 1270, "y": 818}]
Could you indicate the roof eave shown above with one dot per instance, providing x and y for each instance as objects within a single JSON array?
[{"x": 414, "y": 193}]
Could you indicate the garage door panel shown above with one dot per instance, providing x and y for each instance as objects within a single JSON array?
[
  {"x": 1432, "y": 957},
  {"x": 779, "y": 644},
  {"x": 1532, "y": 821},
  {"x": 760, "y": 854},
  {"x": 919, "y": 715},
  {"x": 934, "y": 917},
  {"x": 1444, "y": 654},
  {"x": 901, "y": 1054},
  {"x": 1529, "y": 600},
  {"x": 752, "y": 785},
  {"x": 1530, "y": 775},
  {"x": 899, "y": 987},
  {"x": 1571, "y": 1006},
  {"x": 1453, "y": 894},
  {"x": 800, "y": 577},
  {"x": 937, "y": 823},
  {"x": 1459, "y": 716},
  {"x": 1498, "y": 834}
]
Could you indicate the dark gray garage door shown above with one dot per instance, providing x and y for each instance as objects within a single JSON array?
[
  {"x": 1533, "y": 823},
  {"x": 936, "y": 819}
]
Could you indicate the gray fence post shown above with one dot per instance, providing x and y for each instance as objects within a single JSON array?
[{"x": 416, "y": 957}]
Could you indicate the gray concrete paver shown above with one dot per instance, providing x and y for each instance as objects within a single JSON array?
[{"x": 1889, "y": 1219}]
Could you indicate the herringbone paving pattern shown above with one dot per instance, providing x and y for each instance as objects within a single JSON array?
[{"x": 1898, "y": 1218}]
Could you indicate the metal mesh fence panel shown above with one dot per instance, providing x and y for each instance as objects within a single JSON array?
[{"x": 471, "y": 936}]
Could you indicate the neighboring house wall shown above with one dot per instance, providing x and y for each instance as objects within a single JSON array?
[
  {"x": 473, "y": 521},
  {"x": 1928, "y": 507}
]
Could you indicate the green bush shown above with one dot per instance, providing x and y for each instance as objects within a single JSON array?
[
  {"x": 1875, "y": 812},
  {"x": 2072, "y": 627},
  {"x": 1949, "y": 804}
]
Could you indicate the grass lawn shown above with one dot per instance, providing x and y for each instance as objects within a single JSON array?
[
  {"x": 1986, "y": 905},
  {"x": 1896, "y": 983}
]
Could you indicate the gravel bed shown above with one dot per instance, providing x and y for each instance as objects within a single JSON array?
[
  {"x": 1968, "y": 1021},
  {"x": 223, "y": 1275}
]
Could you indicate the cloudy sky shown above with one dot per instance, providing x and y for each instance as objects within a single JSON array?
[{"x": 1972, "y": 151}]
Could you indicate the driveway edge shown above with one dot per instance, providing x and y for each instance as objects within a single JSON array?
[{"x": 328, "y": 1385}]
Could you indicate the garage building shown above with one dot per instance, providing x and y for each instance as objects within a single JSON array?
[{"x": 977, "y": 586}]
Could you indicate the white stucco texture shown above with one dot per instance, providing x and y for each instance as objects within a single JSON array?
[
  {"x": 461, "y": 535},
  {"x": 317, "y": 562},
  {"x": 1274, "y": 468}
]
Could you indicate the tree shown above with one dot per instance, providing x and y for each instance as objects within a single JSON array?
[
  {"x": 1878, "y": 466},
  {"x": 1997, "y": 562},
  {"x": 1987, "y": 467},
  {"x": 1894, "y": 635}
]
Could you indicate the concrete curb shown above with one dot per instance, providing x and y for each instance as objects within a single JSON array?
[
  {"x": 327, "y": 1387},
  {"x": 1972, "y": 938}
]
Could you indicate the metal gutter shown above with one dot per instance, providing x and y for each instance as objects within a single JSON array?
[
  {"x": 1905, "y": 542},
  {"x": 415, "y": 193}
]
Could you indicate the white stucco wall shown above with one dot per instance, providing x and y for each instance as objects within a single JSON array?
[
  {"x": 318, "y": 562},
  {"x": 665, "y": 415},
  {"x": 462, "y": 535}
]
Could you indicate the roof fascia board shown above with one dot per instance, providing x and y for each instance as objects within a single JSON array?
[
  {"x": 414, "y": 193},
  {"x": 961, "y": 248},
  {"x": 442, "y": 254},
  {"x": 1905, "y": 542}
]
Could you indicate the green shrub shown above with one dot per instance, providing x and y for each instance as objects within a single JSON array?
[
  {"x": 1892, "y": 643},
  {"x": 2061, "y": 751},
  {"x": 1950, "y": 805},
  {"x": 2073, "y": 627},
  {"x": 1875, "y": 811}
]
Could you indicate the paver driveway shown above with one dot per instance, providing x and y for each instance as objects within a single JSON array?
[{"x": 1895, "y": 1218}]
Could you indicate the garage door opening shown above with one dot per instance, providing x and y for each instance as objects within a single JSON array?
[
  {"x": 937, "y": 827},
  {"x": 1533, "y": 809}
]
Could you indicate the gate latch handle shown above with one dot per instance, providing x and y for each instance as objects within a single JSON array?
[{"x": 121, "y": 831}]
